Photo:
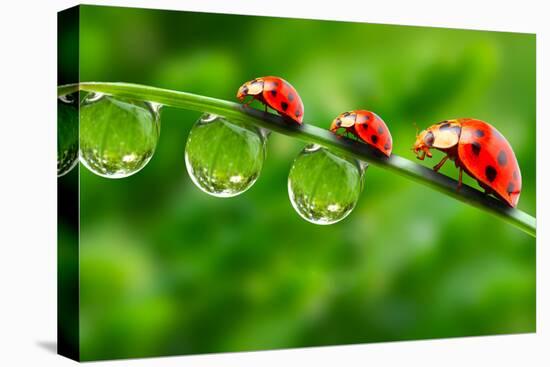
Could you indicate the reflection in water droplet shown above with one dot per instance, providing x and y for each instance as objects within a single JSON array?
[
  {"x": 323, "y": 186},
  {"x": 93, "y": 97},
  {"x": 118, "y": 136},
  {"x": 67, "y": 133},
  {"x": 224, "y": 158}
]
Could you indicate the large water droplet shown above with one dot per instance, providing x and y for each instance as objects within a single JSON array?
[
  {"x": 323, "y": 186},
  {"x": 67, "y": 133},
  {"x": 224, "y": 158},
  {"x": 118, "y": 136}
]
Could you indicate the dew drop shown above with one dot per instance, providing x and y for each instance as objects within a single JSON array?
[
  {"x": 224, "y": 158},
  {"x": 323, "y": 186},
  {"x": 118, "y": 136},
  {"x": 67, "y": 133}
]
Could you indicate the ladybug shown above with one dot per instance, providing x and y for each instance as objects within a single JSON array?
[
  {"x": 366, "y": 126},
  {"x": 276, "y": 93},
  {"x": 480, "y": 150}
]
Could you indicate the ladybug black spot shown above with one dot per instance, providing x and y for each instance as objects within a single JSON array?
[
  {"x": 479, "y": 133},
  {"x": 387, "y": 146},
  {"x": 290, "y": 97},
  {"x": 476, "y": 148},
  {"x": 490, "y": 173},
  {"x": 284, "y": 106},
  {"x": 374, "y": 138},
  {"x": 502, "y": 158},
  {"x": 298, "y": 113},
  {"x": 380, "y": 130},
  {"x": 515, "y": 175},
  {"x": 510, "y": 188},
  {"x": 273, "y": 92},
  {"x": 447, "y": 126}
]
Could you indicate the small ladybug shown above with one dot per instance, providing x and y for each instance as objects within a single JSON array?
[
  {"x": 366, "y": 126},
  {"x": 276, "y": 93},
  {"x": 480, "y": 150}
]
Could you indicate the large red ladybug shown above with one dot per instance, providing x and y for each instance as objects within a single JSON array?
[
  {"x": 366, "y": 126},
  {"x": 276, "y": 93},
  {"x": 480, "y": 150}
]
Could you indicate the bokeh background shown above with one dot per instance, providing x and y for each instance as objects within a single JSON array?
[{"x": 166, "y": 269}]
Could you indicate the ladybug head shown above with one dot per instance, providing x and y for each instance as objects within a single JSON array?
[
  {"x": 345, "y": 120},
  {"x": 336, "y": 124},
  {"x": 423, "y": 143},
  {"x": 251, "y": 88}
]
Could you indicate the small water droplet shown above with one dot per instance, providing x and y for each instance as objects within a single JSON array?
[
  {"x": 67, "y": 133},
  {"x": 118, "y": 136},
  {"x": 324, "y": 187},
  {"x": 224, "y": 158}
]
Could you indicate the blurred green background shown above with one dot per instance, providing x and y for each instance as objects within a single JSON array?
[{"x": 167, "y": 269}]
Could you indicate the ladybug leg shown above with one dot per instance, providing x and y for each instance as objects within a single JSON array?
[
  {"x": 246, "y": 104},
  {"x": 426, "y": 152},
  {"x": 459, "y": 179},
  {"x": 440, "y": 164},
  {"x": 338, "y": 134}
]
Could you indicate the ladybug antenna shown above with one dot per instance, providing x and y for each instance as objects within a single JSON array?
[{"x": 416, "y": 127}]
